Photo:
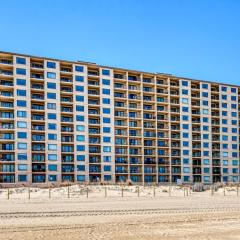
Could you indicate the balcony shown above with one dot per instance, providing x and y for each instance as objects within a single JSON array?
[
  {"x": 66, "y": 119},
  {"x": 37, "y": 86},
  {"x": 6, "y": 94},
  {"x": 37, "y": 65},
  {"x": 93, "y": 73},
  {"x": 6, "y": 61},
  {"x": 8, "y": 115},
  {"x": 37, "y": 107},
  {"x": 6, "y": 126},
  {"x": 66, "y": 69},
  {"x": 66, "y": 129},
  {"x": 66, "y": 80},
  {"x": 37, "y": 97},
  {"x": 37, "y": 76},
  {"x": 6, "y": 72},
  {"x": 6, "y": 83},
  {"x": 6, "y": 104},
  {"x": 66, "y": 90},
  {"x": 38, "y": 117},
  {"x": 38, "y": 127}
]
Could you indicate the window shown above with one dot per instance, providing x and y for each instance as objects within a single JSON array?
[
  {"x": 106, "y": 149},
  {"x": 80, "y": 148},
  {"x": 51, "y": 95},
  {"x": 79, "y": 78},
  {"x": 233, "y": 98},
  {"x": 106, "y": 91},
  {"x": 51, "y": 65},
  {"x": 51, "y": 105},
  {"x": 206, "y": 161},
  {"x": 21, "y": 82},
  {"x": 22, "y": 156},
  {"x": 205, "y": 136},
  {"x": 80, "y": 158},
  {"x": 80, "y": 118},
  {"x": 185, "y": 109},
  {"x": 225, "y": 154},
  {"x": 79, "y": 108},
  {"x": 107, "y": 158},
  {"x": 184, "y": 92},
  {"x": 185, "y": 152},
  {"x": 105, "y": 82},
  {"x": 106, "y": 168},
  {"x": 205, "y": 103},
  {"x": 107, "y": 139},
  {"x": 52, "y": 178},
  {"x": 185, "y": 83},
  {"x": 21, "y": 93},
  {"x": 106, "y": 101},
  {"x": 106, "y": 110},
  {"x": 204, "y": 94},
  {"x": 80, "y": 178},
  {"x": 21, "y": 71},
  {"x": 205, "y": 128},
  {"x": 79, "y": 68},
  {"x": 224, "y": 89},
  {"x": 185, "y": 126},
  {"x": 52, "y": 147},
  {"x": 186, "y": 170},
  {"x": 185, "y": 144},
  {"x": 206, "y": 145},
  {"x": 22, "y": 114},
  {"x": 184, "y": 100},
  {"x": 205, "y": 111},
  {"x": 22, "y": 167},
  {"x": 52, "y": 136},
  {"x": 81, "y": 168},
  {"x": 52, "y": 167},
  {"x": 233, "y": 90},
  {"x": 51, "y": 75},
  {"x": 80, "y": 98},
  {"x": 20, "y": 60},
  {"x": 205, "y": 119},
  {"x": 79, "y": 88},
  {"x": 204, "y": 86},
  {"x": 51, "y": 85},
  {"x": 106, "y": 129},
  {"x": 185, "y": 161},
  {"x": 185, "y": 135},
  {"x": 185, "y": 117},
  {"x": 22, "y": 178},
  {"x": 105, "y": 72},
  {"x": 106, "y": 120},
  {"x": 224, "y": 97},
  {"x": 21, "y": 103},
  {"x": 80, "y": 128},
  {"x": 22, "y": 145},
  {"x": 80, "y": 138},
  {"x": 22, "y": 135},
  {"x": 52, "y": 116},
  {"x": 52, "y": 157},
  {"x": 52, "y": 126},
  {"x": 21, "y": 124}
]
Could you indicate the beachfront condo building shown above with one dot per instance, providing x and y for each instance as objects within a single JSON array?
[{"x": 75, "y": 121}]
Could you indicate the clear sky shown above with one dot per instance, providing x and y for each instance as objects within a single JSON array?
[{"x": 191, "y": 38}]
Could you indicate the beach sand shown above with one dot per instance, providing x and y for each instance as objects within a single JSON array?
[{"x": 98, "y": 216}]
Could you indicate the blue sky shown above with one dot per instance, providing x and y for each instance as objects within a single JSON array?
[{"x": 191, "y": 38}]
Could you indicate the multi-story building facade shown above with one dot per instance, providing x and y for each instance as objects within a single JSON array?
[{"x": 82, "y": 122}]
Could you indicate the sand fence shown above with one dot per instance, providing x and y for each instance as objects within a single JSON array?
[{"x": 116, "y": 191}]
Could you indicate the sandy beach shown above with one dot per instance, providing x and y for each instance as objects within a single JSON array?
[{"x": 135, "y": 215}]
